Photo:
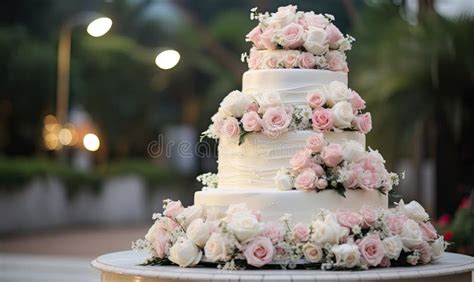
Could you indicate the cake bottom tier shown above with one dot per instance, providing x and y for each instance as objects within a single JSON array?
[{"x": 300, "y": 204}]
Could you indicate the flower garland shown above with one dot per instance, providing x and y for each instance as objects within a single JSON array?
[
  {"x": 306, "y": 40},
  {"x": 324, "y": 165},
  {"x": 332, "y": 108},
  {"x": 343, "y": 239}
]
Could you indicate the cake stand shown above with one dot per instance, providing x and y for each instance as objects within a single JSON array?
[{"x": 125, "y": 266}]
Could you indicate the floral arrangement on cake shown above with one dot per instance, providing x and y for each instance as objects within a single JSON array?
[
  {"x": 343, "y": 239},
  {"x": 323, "y": 165},
  {"x": 332, "y": 108},
  {"x": 296, "y": 39}
]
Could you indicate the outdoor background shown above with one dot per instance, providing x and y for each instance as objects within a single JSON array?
[{"x": 413, "y": 62}]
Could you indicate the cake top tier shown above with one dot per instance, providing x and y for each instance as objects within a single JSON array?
[{"x": 296, "y": 39}]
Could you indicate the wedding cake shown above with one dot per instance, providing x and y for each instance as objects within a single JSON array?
[{"x": 296, "y": 184}]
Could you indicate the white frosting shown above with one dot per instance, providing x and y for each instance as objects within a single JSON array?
[
  {"x": 301, "y": 205},
  {"x": 255, "y": 163},
  {"x": 292, "y": 84}
]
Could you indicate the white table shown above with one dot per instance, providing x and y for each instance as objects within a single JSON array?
[{"x": 125, "y": 266}]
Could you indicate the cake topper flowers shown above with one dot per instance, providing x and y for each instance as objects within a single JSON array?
[{"x": 294, "y": 39}]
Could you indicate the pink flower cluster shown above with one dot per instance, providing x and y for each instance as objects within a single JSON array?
[
  {"x": 290, "y": 30},
  {"x": 322, "y": 165},
  {"x": 342, "y": 239},
  {"x": 337, "y": 108}
]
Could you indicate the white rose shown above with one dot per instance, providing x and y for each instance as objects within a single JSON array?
[
  {"x": 198, "y": 232},
  {"x": 343, "y": 114},
  {"x": 315, "y": 40},
  {"x": 234, "y": 104},
  {"x": 245, "y": 226},
  {"x": 338, "y": 91},
  {"x": 214, "y": 214},
  {"x": 438, "y": 247},
  {"x": 283, "y": 181},
  {"x": 216, "y": 248},
  {"x": 410, "y": 234},
  {"x": 414, "y": 211},
  {"x": 392, "y": 247},
  {"x": 312, "y": 252},
  {"x": 269, "y": 99},
  {"x": 353, "y": 151},
  {"x": 189, "y": 215},
  {"x": 328, "y": 231},
  {"x": 153, "y": 231},
  {"x": 236, "y": 209},
  {"x": 283, "y": 17},
  {"x": 184, "y": 253},
  {"x": 347, "y": 255}
]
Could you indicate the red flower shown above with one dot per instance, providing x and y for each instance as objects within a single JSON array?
[
  {"x": 445, "y": 219},
  {"x": 448, "y": 235},
  {"x": 465, "y": 203}
]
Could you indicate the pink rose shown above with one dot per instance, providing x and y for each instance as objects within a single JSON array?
[
  {"x": 348, "y": 218},
  {"x": 306, "y": 180},
  {"x": 292, "y": 36},
  {"x": 270, "y": 61},
  {"x": 251, "y": 122},
  {"x": 425, "y": 252},
  {"x": 217, "y": 121},
  {"x": 332, "y": 154},
  {"x": 173, "y": 209},
  {"x": 301, "y": 160},
  {"x": 321, "y": 184},
  {"x": 259, "y": 252},
  {"x": 315, "y": 142},
  {"x": 316, "y": 20},
  {"x": 306, "y": 61},
  {"x": 337, "y": 61},
  {"x": 318, "y": 169},
  {"x": 323, "y": 119},
  {"x": 231, "y": 128},
  {"x": 161, "y": 246},
  {"x": 357, "y": 102},
  {"x": 290, "y": 58},
  {"x": 428, "y": 231},
  {"x": 316, "y": 99},
  {"x": 395, "y": 222},
  {"x": 369, "y": 180},
  {"x": 369, "y": 216},
  {"x": 275, "y": 121},
  {"x": 254, "y": 37},
  {"x": 254, "y": 59},
  {"x": 266, "y": 38},
  {"x": 385, "y": 262},
  {"x": 351, "y": 181},
  {"x": 252, "y": 107},
  {"x": 167, "y": 223},
  {"x": 273, "y": 231},
  {"x": 363, "y": 123},
  {"x": 371, "y": 249},
  {"x": 301, "y": 232},
  {"x": 333, "y": 35}
]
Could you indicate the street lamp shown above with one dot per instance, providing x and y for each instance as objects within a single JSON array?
[
  {"x": 167, "y": 59},
  {"x": 97, "y": 26}
]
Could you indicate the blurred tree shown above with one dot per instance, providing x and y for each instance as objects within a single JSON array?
[{"x": 418, "y": 80}]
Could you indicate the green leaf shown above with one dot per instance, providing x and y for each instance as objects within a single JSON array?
[{"x": 241, "y": 136}]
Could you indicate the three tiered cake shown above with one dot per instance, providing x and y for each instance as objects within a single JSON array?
[{"x": 295, "y": 183}]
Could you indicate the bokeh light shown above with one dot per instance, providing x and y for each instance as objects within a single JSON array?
[
  {"x": 167, "y": 59},
  {"x": 99, "y": 27},
  {"x": 91, "y": 142}
]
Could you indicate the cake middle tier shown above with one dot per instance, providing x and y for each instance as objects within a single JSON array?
[
  {"x": 255, "y": 163},
  {"x": 292, "y": 84}
]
